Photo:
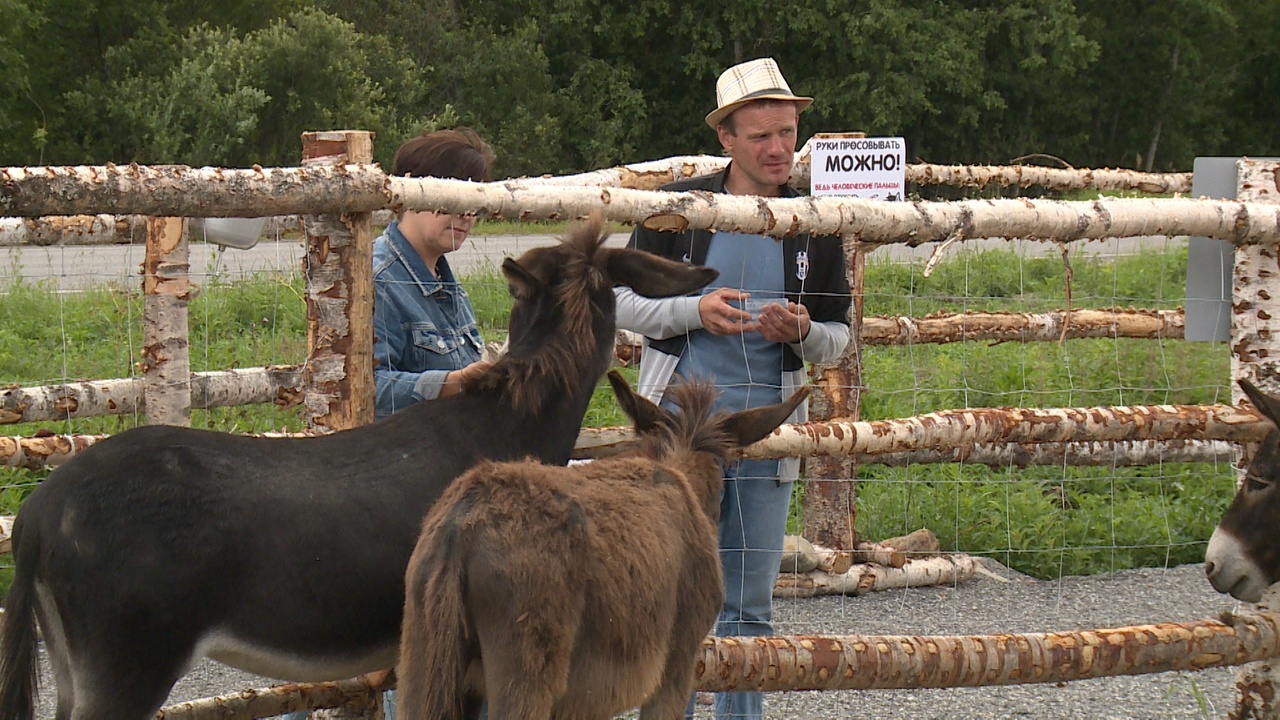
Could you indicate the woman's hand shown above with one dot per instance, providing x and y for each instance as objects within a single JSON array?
[{"x": 454, "y": 381}]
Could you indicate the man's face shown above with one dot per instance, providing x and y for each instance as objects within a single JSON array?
[{"x": 762, "y": 147}]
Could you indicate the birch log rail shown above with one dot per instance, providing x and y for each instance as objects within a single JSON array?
[
  {"x": 280, "y": 384},
  {"x": 209, "y": 192},
  {"x": 874, "y": 222},
  {"x": 804, "y": 662},
  {"x": 651, "y": 174},
  {"x": 1116, "y": 453},
  {"x": 952, "y": 429},
  {"x": 1024, "y": 327},
  {"x": 884, "y": 662},
  {"x": 648, "y": 175},
  {"x": 948, "y": 431}
]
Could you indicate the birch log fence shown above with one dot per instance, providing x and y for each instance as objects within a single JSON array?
[{"x": 626, "y": 195}]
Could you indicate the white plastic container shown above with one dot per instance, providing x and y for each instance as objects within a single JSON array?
[{"x": 239, "y": 233}]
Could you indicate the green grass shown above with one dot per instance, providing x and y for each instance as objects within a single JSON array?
[
  {"x": 1045, "y": 521},
  {"x": 501, "y": 226}
]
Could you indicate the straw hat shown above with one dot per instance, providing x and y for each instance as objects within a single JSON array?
[{"x": 758, "y": 79}]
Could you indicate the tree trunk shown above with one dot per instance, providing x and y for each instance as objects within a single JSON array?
[{"x": 1161, "y": 108}]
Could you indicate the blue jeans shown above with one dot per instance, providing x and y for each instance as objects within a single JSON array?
[{"x": 753, "y": 521}]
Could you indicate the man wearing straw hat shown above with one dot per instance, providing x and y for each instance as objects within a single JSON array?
[{"x": 778, "y": 303}]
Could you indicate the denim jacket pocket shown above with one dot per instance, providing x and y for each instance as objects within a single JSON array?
[{"x": 428, "y": 338}]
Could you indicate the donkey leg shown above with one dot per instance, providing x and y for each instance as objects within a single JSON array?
[
  {"x": 122, "y": 683},
  {"x": 526, "y": 659},
  {"x": 523, "y": 677},
  {"x": 673, "y": 696}
]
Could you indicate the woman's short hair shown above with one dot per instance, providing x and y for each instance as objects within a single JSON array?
[{"x": 459, "y": 153}]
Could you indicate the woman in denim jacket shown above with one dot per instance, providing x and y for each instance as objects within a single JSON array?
[{"x": 425, "y": 335}]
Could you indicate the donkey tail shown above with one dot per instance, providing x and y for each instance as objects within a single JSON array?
[
  {"x": 18, "y": 669},
  {"x": 435, "y": 644}
]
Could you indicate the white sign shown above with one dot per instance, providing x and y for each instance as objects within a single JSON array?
[{"x": 871, "y": 168}]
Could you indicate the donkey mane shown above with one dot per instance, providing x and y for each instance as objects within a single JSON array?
[
  {"x": 695, "y": 429},
  {"x": 530, "y": 377}
]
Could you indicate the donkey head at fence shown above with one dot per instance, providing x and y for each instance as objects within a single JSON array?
[
  {"x": 1243, "y": 557},
  {"x": 576, "y": 592},
  {"x": 286, "y": 556}
]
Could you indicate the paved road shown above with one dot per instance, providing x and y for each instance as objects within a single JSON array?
[{"x": 74, "y": 268}]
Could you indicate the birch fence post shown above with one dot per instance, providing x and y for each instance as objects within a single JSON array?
[
  {"x": 338, "y": 374},
  {"x": 830, "y": 504},
  {"x": 830, "y": 493},
  {"x": 166, "y": 289},
  {"x": 1255, "y": 307},
  {"x": 1255, "y": 355}
]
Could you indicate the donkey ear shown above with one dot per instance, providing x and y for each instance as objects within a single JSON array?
[
  {"x": 1266, "y": 404},
  {"x": 521, "y": 283},
  {"x": 642, "y": 412},
  {"x": 653, "y": 276},
  {"x": 748, "y": 426}
]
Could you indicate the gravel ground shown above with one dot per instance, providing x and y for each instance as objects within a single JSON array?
[{"x": 978, "y": 606}]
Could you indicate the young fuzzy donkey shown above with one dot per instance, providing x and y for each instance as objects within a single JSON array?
[{"x": 576, "y": 592}]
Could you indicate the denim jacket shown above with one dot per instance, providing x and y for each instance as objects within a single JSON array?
[{"x": 423, "y": 326}]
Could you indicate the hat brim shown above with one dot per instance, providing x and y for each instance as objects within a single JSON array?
[{"x": 719, "y": 114}]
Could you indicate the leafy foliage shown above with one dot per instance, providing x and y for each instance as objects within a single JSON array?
[{"x": 572, "y": 85}]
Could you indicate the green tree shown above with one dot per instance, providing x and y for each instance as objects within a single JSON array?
[
  {"x": 99, "y": 42},
  {"x": 1254, "y": 103},
  {"x": 489, "y": 66},
  {"x": 1157, "y": 95},
  {"x": 22, "y": 125},
  {"x": 236, "y": 100}
]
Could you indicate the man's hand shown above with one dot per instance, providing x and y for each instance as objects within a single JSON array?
[
  {"x": 787, "y": 323},
  {"x": 721, "y": 314},
  {"x": 778, "y": 321}
]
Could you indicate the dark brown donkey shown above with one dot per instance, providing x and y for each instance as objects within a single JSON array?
[
  {"x": 286, "y": 557},
  {"x": 576, "y": 592},
  {"x": 1243, "y": 557}
]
